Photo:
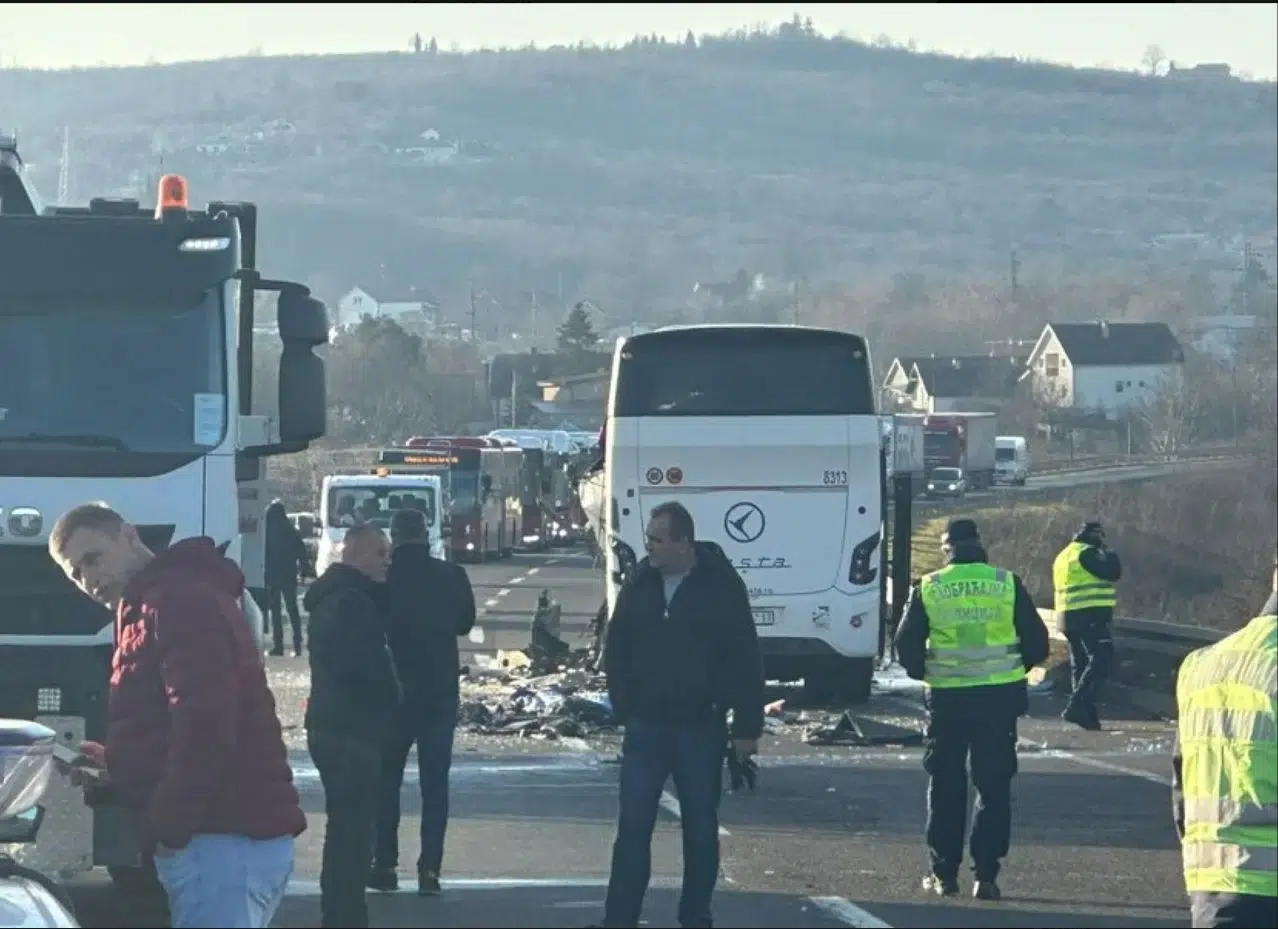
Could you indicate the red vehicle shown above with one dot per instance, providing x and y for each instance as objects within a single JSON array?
[
  {"x": 534, "y": 495},
  {"x": 471, "y": 473}
]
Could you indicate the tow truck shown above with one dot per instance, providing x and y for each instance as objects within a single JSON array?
[{"x": 127, "y": 377}]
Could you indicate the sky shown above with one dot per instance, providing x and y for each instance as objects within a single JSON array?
[{"x": 58, "y": 35}]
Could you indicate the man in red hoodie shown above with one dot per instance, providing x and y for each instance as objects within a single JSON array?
[{"x": 193, "y": 745}]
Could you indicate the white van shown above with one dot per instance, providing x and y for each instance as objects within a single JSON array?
[
  {"x": 1011, "y": 459},
  {"x": 346, "y": 499}
]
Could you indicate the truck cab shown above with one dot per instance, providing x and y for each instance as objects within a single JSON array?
[{"x": 127, "y": 378}]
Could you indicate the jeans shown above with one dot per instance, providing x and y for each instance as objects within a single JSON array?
[
  {"x": 948, "y": 742},
  {"x": 1091, "y": 655},
  {"x": 432, "y": 727},
  {"x": 693, "y": 756},
  {"x": 349, "y": 769},
  {"x": 226, "y": 881}
]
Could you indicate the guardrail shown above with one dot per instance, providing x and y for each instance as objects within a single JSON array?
[
  {"x": 1171, "y": 641},
  {"x": 1107, "y": 462}
]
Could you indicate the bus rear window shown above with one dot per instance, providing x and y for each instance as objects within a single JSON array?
[{"x": 751, "y": 373}]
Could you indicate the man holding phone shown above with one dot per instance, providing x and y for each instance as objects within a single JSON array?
[{"x": 194, "y": 748}]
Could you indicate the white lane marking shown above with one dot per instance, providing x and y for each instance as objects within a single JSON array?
[
  {"x": 848, "y": 913},
  {"x": 504, "y": 592},
  {"x": 305, "y": 888},
  {"x": 670, "y": 803},
  {"x": 1064, "y": 754},
  {"x": 491, "y": 601},
  {"x": 1098, "y": 764},
  {"x": 518, "y": 580},
  {"x": 551, "y": 561},
  {"x": 532, "y": 571}
]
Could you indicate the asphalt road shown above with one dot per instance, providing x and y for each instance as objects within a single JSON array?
[{"x": 832, "y": 837}]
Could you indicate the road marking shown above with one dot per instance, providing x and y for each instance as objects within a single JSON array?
[
  {"x": 504, "y": 592},
  {"x": 532, "y": 571},
  {"x": 670, "y": 803},
  {"x": 1064, "y": 754},
  {"x": 848, "y": 913},
  {"x": 551, "y": 561},
  {"x": 492, "y": 601},
  {"x": 306, "y": 888}
]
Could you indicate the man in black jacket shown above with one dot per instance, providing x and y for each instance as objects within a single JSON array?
[
  {"x": 428, "y": 603},
  {"x": 354, "y": 701},
  {"x": 286, "y": 558},
  {"x": 681, "y": 653},
  {"x": 973, "y": 655},
  {"x": 1085, "y": 576}
]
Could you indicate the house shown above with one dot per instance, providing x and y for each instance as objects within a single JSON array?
[
  {"x": 941, "y": 384},
  {"x": 1103, "y": 366},
  {"x": 417, "y": 307},
  {"x": 580, "y": 399}
]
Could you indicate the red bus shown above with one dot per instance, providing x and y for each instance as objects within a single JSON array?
[{"x": 472, "y": 510}]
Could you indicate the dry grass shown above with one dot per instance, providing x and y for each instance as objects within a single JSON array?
[{"x": 1196, "y": 549}]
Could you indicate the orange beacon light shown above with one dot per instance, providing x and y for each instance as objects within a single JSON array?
[{"x": 172, "y": 197}]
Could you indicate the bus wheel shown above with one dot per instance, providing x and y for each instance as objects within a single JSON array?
[{"x": 839, "y": 682}]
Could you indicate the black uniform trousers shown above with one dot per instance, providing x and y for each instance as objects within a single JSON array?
[
  {"x": 956, "y": 733},
  {"x": 1091, "y": 656}
]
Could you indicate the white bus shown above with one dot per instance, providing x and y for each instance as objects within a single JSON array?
[{"x": 769, "y": 436}]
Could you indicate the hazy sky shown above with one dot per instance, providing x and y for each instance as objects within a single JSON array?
[{"x": 1245, "y": 35}]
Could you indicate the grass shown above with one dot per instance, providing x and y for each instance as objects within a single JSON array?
[{"x": 1197, "y": 549}]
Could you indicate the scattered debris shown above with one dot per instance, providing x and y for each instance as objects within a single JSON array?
[
  {"x": 545, "y": 691},
  {"x": 862, "y": 731}
]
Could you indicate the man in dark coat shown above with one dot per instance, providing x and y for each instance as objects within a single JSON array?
[
  {"x": 286, "y": 558},
  {"x": 428, "y": 603}
]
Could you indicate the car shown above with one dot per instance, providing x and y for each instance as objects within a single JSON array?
[{"x": 946, "y": 482}]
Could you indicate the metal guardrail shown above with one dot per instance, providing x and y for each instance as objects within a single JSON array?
[
  {"x": 1149, "y": 635},
  {"x": 1107, "y": 463}
]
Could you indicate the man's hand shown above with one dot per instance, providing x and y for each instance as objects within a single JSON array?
[
  {"x": 90, "y": 768},
  {"x": 745, "y": 749}
]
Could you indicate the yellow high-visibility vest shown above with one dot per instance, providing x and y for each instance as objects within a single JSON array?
[
  {"x": 1076, "y": 587},
  {"x": 1227, "y": 696},
  {"x": 972, "y": 640}
]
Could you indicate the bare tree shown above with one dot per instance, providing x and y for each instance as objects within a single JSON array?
[{"x": 1153, "y": 59}]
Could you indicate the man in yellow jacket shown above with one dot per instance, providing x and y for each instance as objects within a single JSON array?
[
  {"x": 1085, "y": 576},
  {"x": 1225, "y": 775}
]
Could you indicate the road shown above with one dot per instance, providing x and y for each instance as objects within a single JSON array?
[
  {"x": 1068, "y": 480},
  {"x": 831, "y": 838}
]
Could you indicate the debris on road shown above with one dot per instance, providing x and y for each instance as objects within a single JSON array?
[{"x": 545, "y": 691}]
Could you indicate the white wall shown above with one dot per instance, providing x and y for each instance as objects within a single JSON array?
[{"x": 1115, "y": 388}]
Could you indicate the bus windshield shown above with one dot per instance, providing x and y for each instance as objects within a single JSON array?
[{"x": 744, "y": 372}]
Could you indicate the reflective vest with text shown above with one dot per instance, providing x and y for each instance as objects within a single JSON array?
[{"x": 972, "y": 640}]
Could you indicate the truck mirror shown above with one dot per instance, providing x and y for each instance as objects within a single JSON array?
[
  {"x": 302, "y": 318},
  {"x": 303, "y": 403}
]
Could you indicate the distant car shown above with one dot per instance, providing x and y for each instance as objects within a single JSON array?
[{"x": 946, "y": 482}]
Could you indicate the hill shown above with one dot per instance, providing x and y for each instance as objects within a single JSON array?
[{"x": 628, "y": 174}]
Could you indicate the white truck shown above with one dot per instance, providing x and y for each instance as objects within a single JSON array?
[
  {"x": 1011, "y": 459},
  {"x": 127, "y": 377}
]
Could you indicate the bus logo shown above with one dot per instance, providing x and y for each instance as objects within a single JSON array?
[
  {"x": 654, "y": 475},
  {"x": 744, "y": 522}
]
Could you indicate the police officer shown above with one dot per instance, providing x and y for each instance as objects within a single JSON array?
[
  {"x": 1085, "y": 576},
  {"x": 970, "y": 632},
  {"x": 1225, "y": 775}
]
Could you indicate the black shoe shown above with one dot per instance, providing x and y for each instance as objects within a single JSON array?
[
  {"x": 986, "y": 890},
  {"x": 383, "y": 879},
  {"x": 428, "y": 884},
  {"x": 278, "y": 651},
  {"x": 1081, "y": 718},
  {"x": 943, "y": 886}
]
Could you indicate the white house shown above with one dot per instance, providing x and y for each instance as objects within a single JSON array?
[
  {"x": 947, "y": 384},
  {"x": 1103, "y": 366},
  {"x": 419, "y": 307}
]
